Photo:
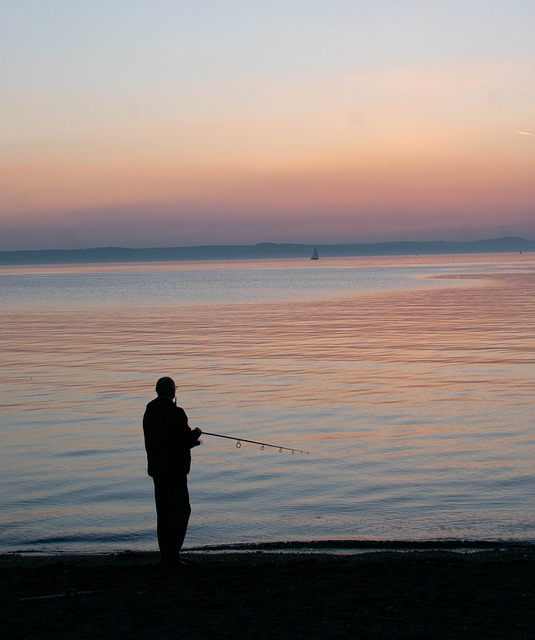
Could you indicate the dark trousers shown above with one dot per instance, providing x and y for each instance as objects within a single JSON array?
[{"x": 173, "y": 511}]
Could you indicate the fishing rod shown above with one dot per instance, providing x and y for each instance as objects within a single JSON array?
[{"x": 262, "y": 444}]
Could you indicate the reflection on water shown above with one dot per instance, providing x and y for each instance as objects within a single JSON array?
[{"x": 416, "y": 405}]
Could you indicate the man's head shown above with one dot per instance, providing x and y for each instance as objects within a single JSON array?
[{"x": 166, "y": 388}]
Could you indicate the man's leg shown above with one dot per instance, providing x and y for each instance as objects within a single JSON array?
[
  {"x": 181, "y": 512},
  {"x": 173, "y": 511}
]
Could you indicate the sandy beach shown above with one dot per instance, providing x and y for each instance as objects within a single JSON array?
[{"x": 342, "y": 593}]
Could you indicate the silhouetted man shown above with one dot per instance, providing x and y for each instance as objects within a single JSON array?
[{"x": 168, "y": 442}]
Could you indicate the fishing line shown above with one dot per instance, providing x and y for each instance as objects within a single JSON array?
[{"x": 262, "y": 444}]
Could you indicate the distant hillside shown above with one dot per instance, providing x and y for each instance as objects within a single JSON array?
[{"x": 258, "y": 251}]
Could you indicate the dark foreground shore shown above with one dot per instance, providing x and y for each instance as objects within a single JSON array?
[{"x": 417, "y": 593}]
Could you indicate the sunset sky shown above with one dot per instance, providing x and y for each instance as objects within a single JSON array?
[{"x": 165, "y": 122}]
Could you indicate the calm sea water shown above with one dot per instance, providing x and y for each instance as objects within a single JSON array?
[{"x": 409, "y": 380}]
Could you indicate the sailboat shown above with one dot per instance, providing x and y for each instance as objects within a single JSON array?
[{"x": 315, "y": 255}]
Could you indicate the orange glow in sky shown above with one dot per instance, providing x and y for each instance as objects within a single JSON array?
[{"x": 171, "y": 125}]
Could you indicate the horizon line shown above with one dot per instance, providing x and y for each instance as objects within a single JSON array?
[{"x": 270, "y": 244}]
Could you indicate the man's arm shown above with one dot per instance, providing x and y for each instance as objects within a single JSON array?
[{"x": 195, "y": 435}]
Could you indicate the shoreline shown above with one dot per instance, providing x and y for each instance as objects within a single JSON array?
[
  {"x": 300, "y": 546},
  {"x": 432, "y": 593}
]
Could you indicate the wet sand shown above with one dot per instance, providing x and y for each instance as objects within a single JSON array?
[{"x": 417, "y": 593}]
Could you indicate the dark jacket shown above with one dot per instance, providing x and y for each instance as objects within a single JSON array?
[{"x": 168, "y": 438}]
